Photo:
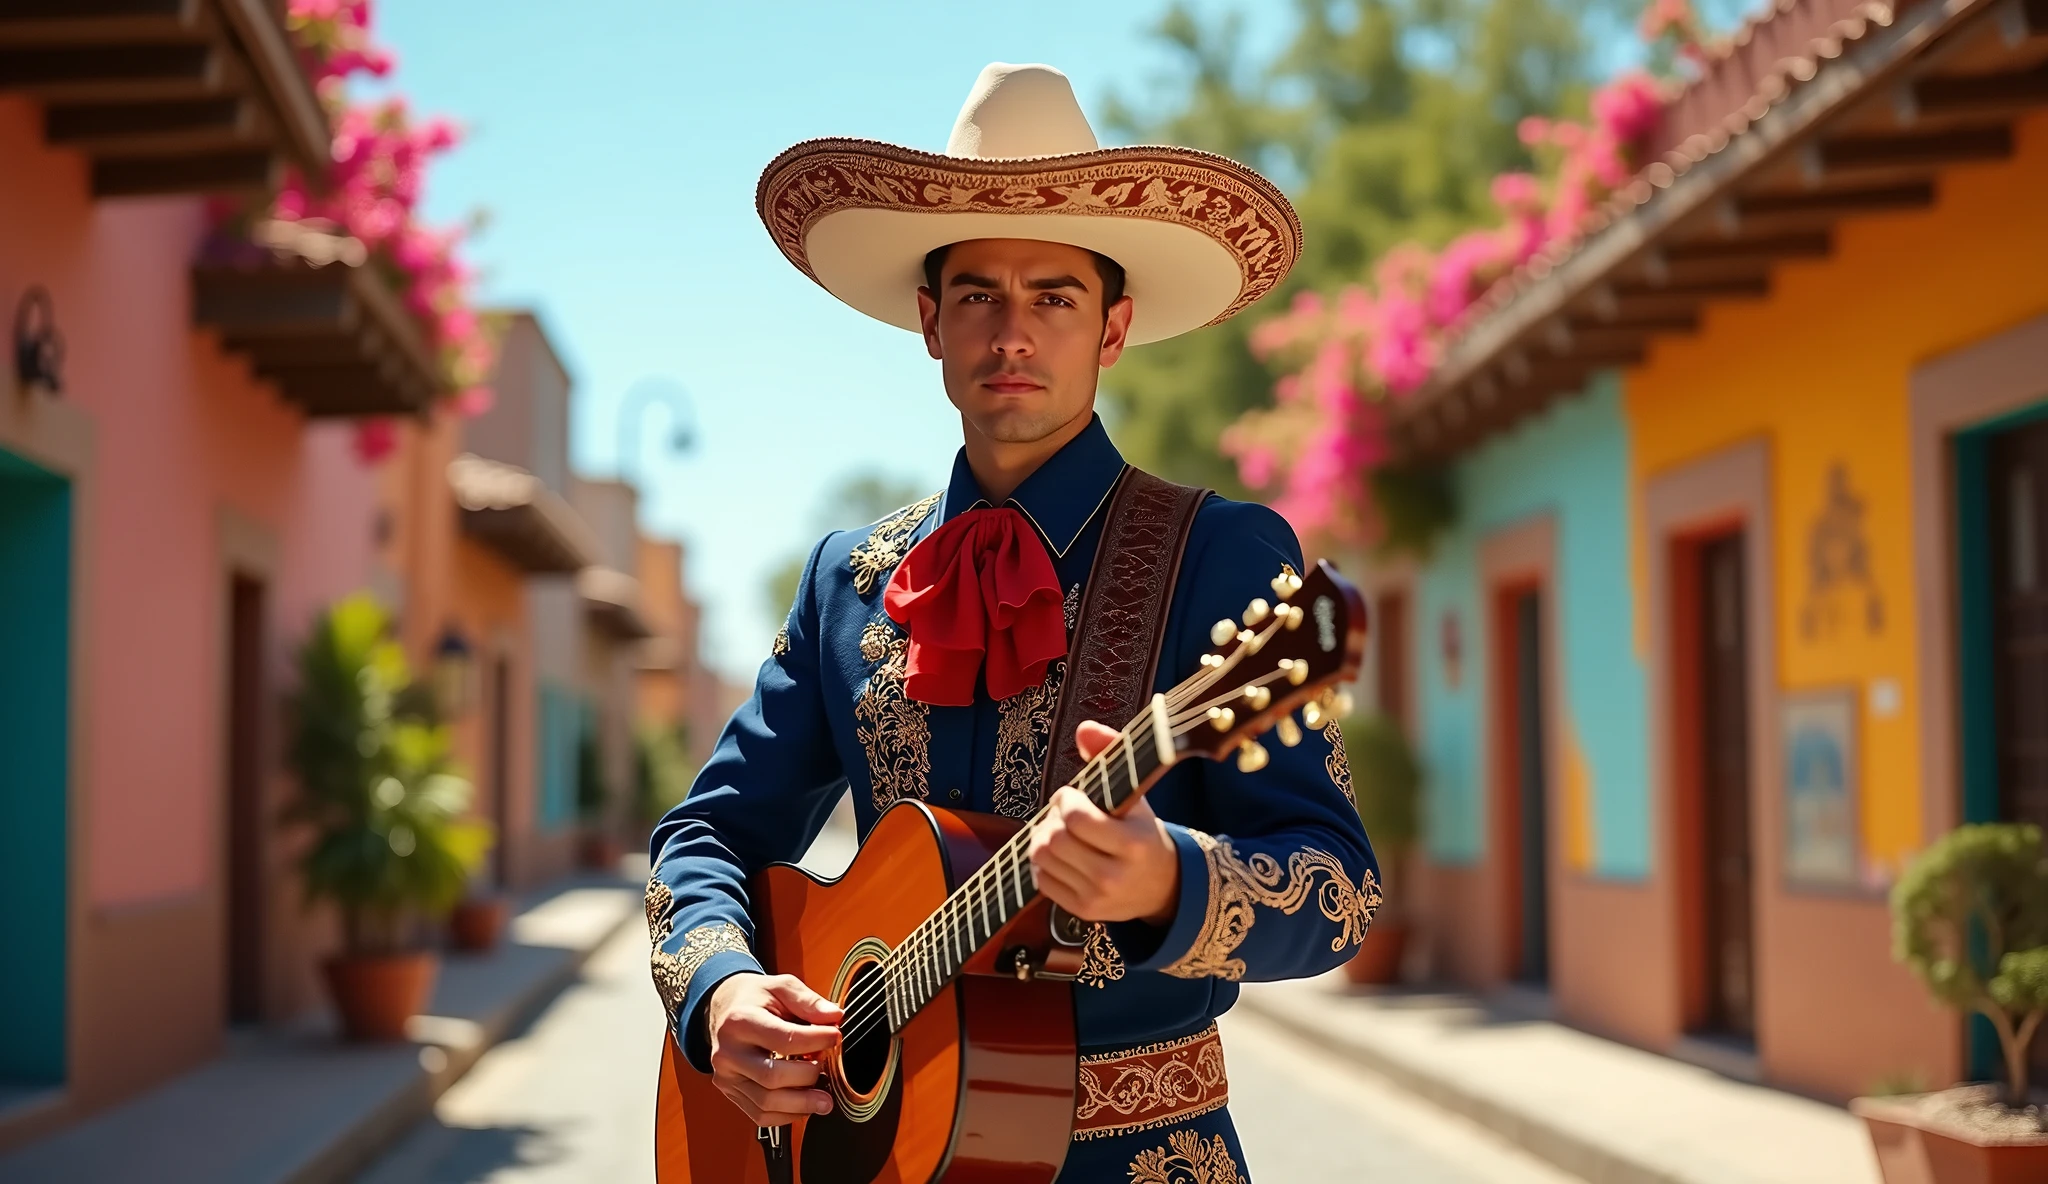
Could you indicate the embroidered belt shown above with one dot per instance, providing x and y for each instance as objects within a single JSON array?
[{"x": 1152, "y": 1085}]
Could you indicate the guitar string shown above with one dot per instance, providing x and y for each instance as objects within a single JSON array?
[
  {"x": 856, "y": 1027},
  {"x": 920, "y": 946},
  {"x": 943, "y": 924}
]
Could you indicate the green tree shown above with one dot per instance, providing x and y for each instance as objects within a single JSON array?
[
  {"x": 1386, "y": 120},
  {"x": 855, "y": 498},
  {"x": 1970, "y": 917}
]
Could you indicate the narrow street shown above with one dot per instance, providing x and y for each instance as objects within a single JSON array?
[{"x": 570, "y": 1099}]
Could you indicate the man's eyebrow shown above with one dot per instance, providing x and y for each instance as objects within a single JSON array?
[{"x": 970, "y": 280}]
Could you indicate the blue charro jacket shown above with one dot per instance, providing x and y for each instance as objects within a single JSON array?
[{"x": 1277, "y": 878}]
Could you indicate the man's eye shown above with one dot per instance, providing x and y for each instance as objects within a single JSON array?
[
  {"x": 1060, "y": 300},
  {"x": 972, "y": 297}
]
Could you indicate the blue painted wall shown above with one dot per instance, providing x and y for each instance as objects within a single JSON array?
[
  {"x": 35, "y": 637},
  {"x": 1572, "y": 462},
  {"x": 561, "y": 726}
]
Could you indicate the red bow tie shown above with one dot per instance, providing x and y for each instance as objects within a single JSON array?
[{"x": 979, "y": 587}]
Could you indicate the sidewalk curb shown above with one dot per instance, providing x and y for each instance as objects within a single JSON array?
[
  {"x": 381, "y": 1128},
  {"x": 1561, "y": 1149}
]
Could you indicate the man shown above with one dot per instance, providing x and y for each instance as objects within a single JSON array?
[{"x": 1029, "y": 260}]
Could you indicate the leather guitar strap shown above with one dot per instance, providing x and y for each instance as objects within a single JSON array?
[{"x": 1115, "y": 651}]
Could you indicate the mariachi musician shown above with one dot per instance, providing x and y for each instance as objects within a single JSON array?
[{"x": 928, "y": 655}]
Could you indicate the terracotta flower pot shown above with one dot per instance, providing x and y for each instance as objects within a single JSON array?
[
  {"x": 377, "y": 993},
  {"x": 599, "y": 851},
  {"x": 1916, "y": 1143},
  {"x": 1378, "y": 960},
  {"x": 477, "y": 922}
]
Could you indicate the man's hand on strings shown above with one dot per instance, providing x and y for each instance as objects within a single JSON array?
[
  {"x": 762, "y": 1027},
  {"x": 1101, "y": 868}
]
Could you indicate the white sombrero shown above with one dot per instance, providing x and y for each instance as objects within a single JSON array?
[{"x": 1199, "y": 236}]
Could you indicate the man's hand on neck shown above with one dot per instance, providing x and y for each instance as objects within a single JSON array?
[{"x": 1000, "y": 466}]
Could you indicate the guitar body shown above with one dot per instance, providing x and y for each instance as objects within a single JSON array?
[{"x": 977, "y": 1087}]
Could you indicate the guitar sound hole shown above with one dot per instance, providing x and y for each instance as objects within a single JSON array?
[{"x": 864, "y": 1058}]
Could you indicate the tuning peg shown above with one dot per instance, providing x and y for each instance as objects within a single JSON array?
[
  {"x": 1312, "y": 715},
  {"x": 1288, "y": 731},
  {"x": 1256, "y": 611},
  {"x": 1296, "y": 670},
  {"x": 1223, "y": 717},
  {"x": 1294, "y": 615},
  {"x": 1340, "y": 704},
  {"x": 1256, "y": 697},
  {"x": 1222, "y": 631},
  {"x": 1212, "y": 660},
  {"x": 1250, "y": 757},
  {"x": 1281, "y": 587}
]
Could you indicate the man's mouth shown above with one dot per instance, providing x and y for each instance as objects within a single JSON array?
[{"x": 1012, "y": 384}]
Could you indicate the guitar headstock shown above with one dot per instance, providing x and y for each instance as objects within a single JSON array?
[{"x": 1287, "y": 653}]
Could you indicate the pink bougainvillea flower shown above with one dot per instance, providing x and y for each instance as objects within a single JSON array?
[{"x": 375, "y": 439}]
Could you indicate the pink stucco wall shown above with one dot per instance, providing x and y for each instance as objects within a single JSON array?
[{"x": 183, "y": 436}]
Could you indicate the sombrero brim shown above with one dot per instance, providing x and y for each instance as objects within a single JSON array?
[{"x": 1199, "y": 236}]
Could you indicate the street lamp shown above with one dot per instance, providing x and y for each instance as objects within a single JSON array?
[
  {"x": 641, "y": 397},
  {"x": 454, "y": 673}
]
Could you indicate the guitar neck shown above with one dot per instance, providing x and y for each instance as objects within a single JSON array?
[{"x": 1004, "y": 886}]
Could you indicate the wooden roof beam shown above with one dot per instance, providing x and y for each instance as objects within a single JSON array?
[
  {"x": 44, "y": 23},
  {"x": 188, "y": 126},
  {"x": 1909, "y": 151},
  {"x": 251, "y": 171},
  {"x": 112, "y": 73},
  {"x": 1977, "y": 94},
  {"x": 1824, "y": 205}
]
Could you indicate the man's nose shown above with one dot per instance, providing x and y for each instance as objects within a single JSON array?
[{"x": 1011, "y": 339}]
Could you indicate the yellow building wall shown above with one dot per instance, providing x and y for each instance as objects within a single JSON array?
[{"x": 1821, "y": 368}]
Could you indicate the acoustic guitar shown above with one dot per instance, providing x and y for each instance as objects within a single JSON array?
[{"x": 957, "y": 1058}]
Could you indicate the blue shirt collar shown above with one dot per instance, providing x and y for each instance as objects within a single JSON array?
[{"x": 1060, "y": 498}]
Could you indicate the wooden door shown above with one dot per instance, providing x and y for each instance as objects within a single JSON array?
[
  {"x": 1723, "y": 665},
  {"x": 2018, "y": 505},
  {"x": 2019, "y": 615},
  {"x": 1390, "y": 677},
  {"x": 501, "y": 768},
  {"x": 245, "y": 822},
  {"x": 1522, "y": 810}
]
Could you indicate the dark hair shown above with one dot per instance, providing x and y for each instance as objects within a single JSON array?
[{"x": 1111, "y": 272}]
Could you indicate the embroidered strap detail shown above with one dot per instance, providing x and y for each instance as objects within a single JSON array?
[
  {"x": 1238, "y": 886},
  {"x": 1115, "y": 650},
  {"x": 1101, "y": 962},
  {"x": 1338, "y": 764},
  {"x": 1150, "y": 1086},
  {"x": 886, "y": 545}
]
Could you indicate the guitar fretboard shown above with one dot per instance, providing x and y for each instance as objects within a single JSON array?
[{"x": 929, "y": 958}]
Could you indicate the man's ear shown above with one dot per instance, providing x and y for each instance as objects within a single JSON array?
[
  {"x": 928, "y": 317},
  {"x": 1116, "y": 331}
]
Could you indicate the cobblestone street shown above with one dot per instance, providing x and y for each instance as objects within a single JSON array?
[{"x": 570, "y": 1099}]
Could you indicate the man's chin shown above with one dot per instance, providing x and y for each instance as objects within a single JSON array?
[{"x": 1019, "y": 427}]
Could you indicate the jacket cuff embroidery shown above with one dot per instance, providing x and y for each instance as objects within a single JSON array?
[
  {"x": 1238, "y": 886},
  {"x": 672, "y": 972}
]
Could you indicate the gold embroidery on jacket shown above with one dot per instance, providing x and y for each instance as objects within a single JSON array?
[
  {"x": 780, "y": 646},
  {"x": 1187, "y": 1159},
  {"x": 894, "y": 731},
  {"x": 1338, "y": 763},
  {"x": 874, "y": 641},
  {"x": 1238, "y": 886},
  {"x": 886, "y": 544},
  {"x": 672, "y": 971},
  {"x": 1149, "y": 1087},
  {"x": 1101, "y": 961},
  {"x": 1024, "y": 732}
]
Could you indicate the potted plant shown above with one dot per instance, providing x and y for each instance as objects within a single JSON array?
[
  {"x": 478, "y": 920},
  {"x": 1970, "y": 917},
  {"x": 390, "y": 847},
  {"x": 1387, "y": 780}
]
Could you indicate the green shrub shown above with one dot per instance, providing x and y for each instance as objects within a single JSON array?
[
  {"x": 376, "y": 784},
  {"x": 663, "y": 770},
  {"x": 1387, "y": 780},
  {"x": 1970, "y": 917}
]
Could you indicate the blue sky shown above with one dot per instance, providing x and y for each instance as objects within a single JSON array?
[{"x": 615, "y": 148}]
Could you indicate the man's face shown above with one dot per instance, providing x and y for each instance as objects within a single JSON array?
[{"x": 1021, "y": 333}]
